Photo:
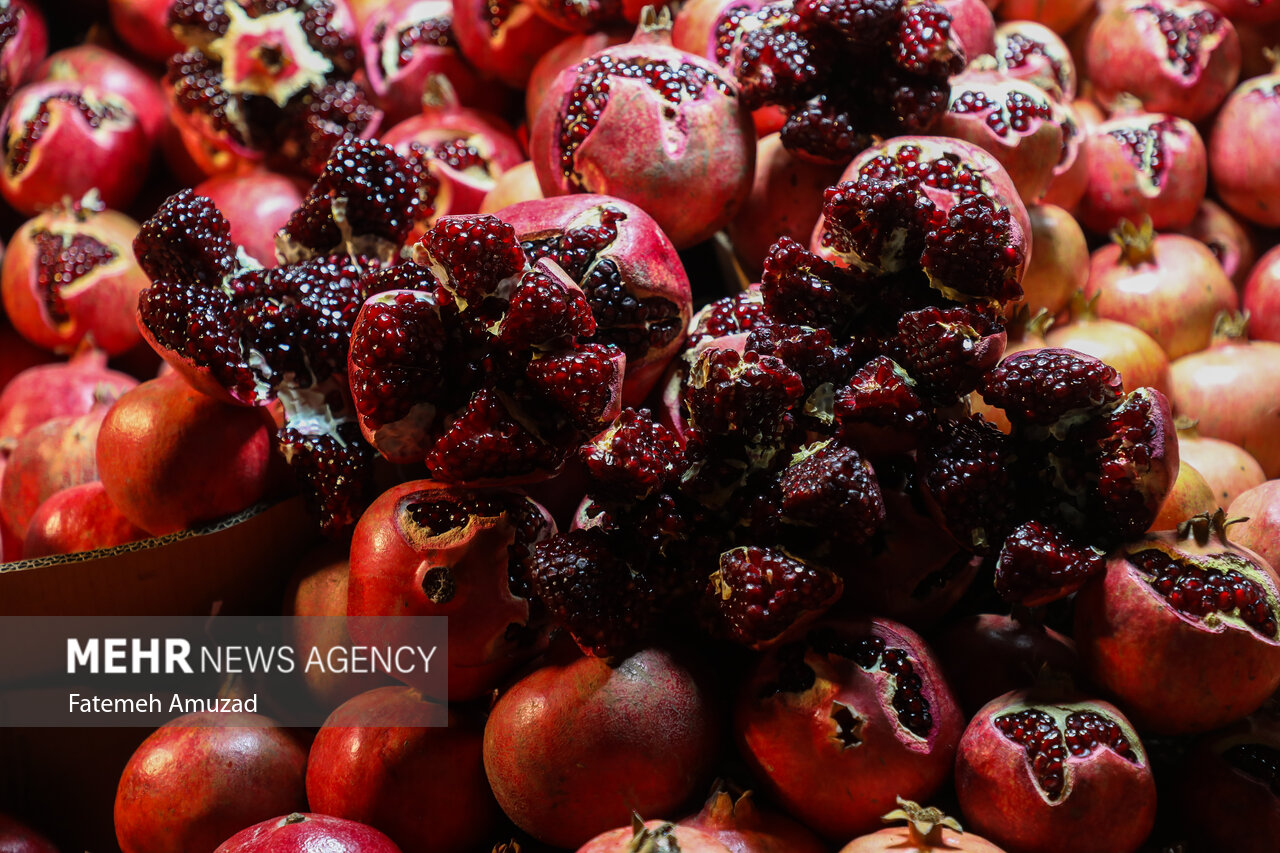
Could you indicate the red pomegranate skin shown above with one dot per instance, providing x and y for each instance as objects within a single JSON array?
[
  {"x": 1139, "y": 358},
  {"x": 1262, "y": 297},
  {"x": 56, "y": 455},
  {"x": 423, "y": 785},
  {"x": 17, "y": 837},
  {"x": 64, "y": 388},
  {"x": 1059, "y": 263},
  {"x": 1228, "y": 469},
  {"x": 1244, "y": 133},
  {"x": 1261, "y": 532},
  {"x": 517, "y": 184},
  {"x": 257, "y": 204},
  {"x": 572, "y": 749},
  {"x": 904, "y": 839},
  {"x": 200, "y": 778},
  {"x": 144, "y": 26},
  {"x": 301, "y": 832},
  {"x": 1230, "y": 240},
  {"x": 990, "y": 654},
  {"x": 81, "y": 518},
  {"x": 1190, "y": 495}
]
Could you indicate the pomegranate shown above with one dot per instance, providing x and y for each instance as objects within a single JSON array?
[
  {"x": 144, "y": 26},
  {"x": 17, "y": 837},
  {"x": 1140, "y": 360},
  {"x": 1182, "y": 628},
  {"x": 1071, "y": 172},
  {"x": 926, "y": 830},
  {"x": 56, "y": 455},
  {"x": 1230, "y": 390},
  {"x": 568, "y": 748},
  {"x": 80, "y": 518},
  {"x": 69, "y": 277},
  {"x": 1025, "y": 332},
  {"x": 1168, "y": 285},
  {"x": 427, "y": 549},
  {"x": 171, "y": 457},
  {"x": 64, "y": 138},
  {"x": 503, "y": 38},
  {"x": 405, "y": 766},
  {"x": 404, "y": 44},
  {"x": 466, "y": 149},
  {"x": 566, "y": 54},
  {"x": 316, "y": 601},
  {"x": 1143, "y": 165},
  {"x": 671, "y": 118},
  {"x": 64, "y": 388},
  {"x": 257, "y": 205},
  {"x": 1072, "y": 770},
  {"x": 1229, "y": 240},
  {"x": 630, "y": 274},
  {"x": 1059, "y": 15},
  {"x": 1012, "y": 119},
  {"x": 1229, "y": 469},
  {"x": 1247, "y": 182},
  {"x": 1227, "y": 786},
  {"x": 837, "y": 725},
  {"x": 972, "y": 25},
  {"x": 1259, "y": 528},
  {"x": 1059, "y": 265},
  {"x": 654, "y": 835},
  {"x": 1031, "y": 51},
  {"x": 300, "y": 832},
  {"x": 1262, "y": 298},
  {"x": 1175, "y": 57},
  {"x": 517, "y": 184},
  {"x": 24, "y": 39},
  {"x": 736, "y": 821},
  {"x": 111, "y": 72},
  {"x": 199, "y": 779},
  {"x": 1191, "y": 495},
  {"x": 987, "y": 655}
]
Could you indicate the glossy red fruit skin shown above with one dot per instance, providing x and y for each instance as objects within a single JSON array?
[
  {"x": 972, "y": 25},
  {"x": 742, "y": 826},
  {"x": 16, "y": 837},
  {"x": 81, "y": 518},
  {"x": 64, "y": 388},
  {"x": 517, "y": 184},
  {"x": 1247, "y": 180},
  {"x": 201, "y": 778},
  {"x": 1226, "y": 808},
  {"x": 302, "y": 832},
  {"x": 1262, "y": 298},
  {"x": 789, "y": 739},
  {"x": 113, "y": 73},
  {"x": 990, "y": 654},
  {"x": 171, "y": 457},
  {"x": 1173, "y": 673},
  {"x": 1108, "y": 804},
  {"x": 144, "y": 26},
  {"x": 1261, "y": 532},
  {"x": 423, "y": 784},
  {"x": 1059, "y": 261},
  {"x": 387, "y": 570},
  {"x": 644, "y": 256},
  {"x": 71, "y": 157},
  {"x": 508, "y": 51},
  {"x": 686, "y": 839},
  {"x": 100, "y": 305},
  {"x": 1126, "y": 52},
  {"x": 568, "y": 749},
  {"x": 257, "y": 204}
]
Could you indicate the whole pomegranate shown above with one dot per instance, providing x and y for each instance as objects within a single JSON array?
[
  {"x": 926, "y": 830},
  {"x": 64, "y": 388},
  {"x": 1259, "y": 527},
  {"x": 171, "y": 457},
  {"x": 1231, "y": 241},
  {"x": 1059, "y": 265},
  {"x": 503, "y": 38},
  {"x": 1182, "y": 628},
  {"x": 1176, "y": 57},
  {"x": 989, "y": 654},
  {"x": 654, "y": 835},
  {"x": 1190, "y": 495},
  {"x": 1168, "y": 285},
  {"x": 1245, "y": 128},
  {"x": 69, "y": 275},
  {"x": 652, "y": 125},
  {"x": 1055, "y": 774},
  {"x": 144, "y": 26},
  {"x": 257, "y": 204},
  {"x": 735, "y": 819},
  {"x": 300, "y": 832},
  {"x": 1143, "y": 165},
  {"x": 113, "y": 73},
  {"x": 79, "y": 518},
  {"x": 199, "y": 779},
  {"x": 1262, "y": 298},
  {"x": 1229, "y": 389},
  {"x": 1138, "y": 357},
  {"x": 64, "y": 138},
  {"x": 838, "y": 724},
  {"x": 1228, "y": 468},
  {"x": 1227, "y": 786},
  {"x": 406, "y": 766},
  {"x": 427, "y": 549},
  {"x": 568, "y": 748}
]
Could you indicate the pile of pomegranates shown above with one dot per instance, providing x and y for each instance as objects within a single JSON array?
[{"x": 825, "y": 425}]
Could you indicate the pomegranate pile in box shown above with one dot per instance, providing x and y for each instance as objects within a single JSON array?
[{"x": 826, "y": 424}]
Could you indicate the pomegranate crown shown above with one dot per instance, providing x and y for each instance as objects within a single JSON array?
[
  {"x": 924, "y": 824},
  {"x": 1204, "y": 526}
]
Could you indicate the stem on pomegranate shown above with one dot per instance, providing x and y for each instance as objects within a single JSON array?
[
  {"x": 924, "y": 825},
  {"x": 1204, "y": 526},
  {"x": 1136, "y": 242},
  {"x": 1230, "y": 327},
  {"x": 655, "y": 26}
]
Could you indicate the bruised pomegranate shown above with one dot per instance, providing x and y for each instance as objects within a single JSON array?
[
  {"x": 1229, "y": 239},
  {"x": 113, "y": 73},
  {"x": 1182, "y": 628},
  {"x": 503, "y": 38},
  {"x": 80, "y": 518},
  {"x": 652, "y": 125},
  {"x": 1176, "y": 57},
  {"x": 409, "y": 767},
  {"x": 64, "y": 138},
  {"x": 989, "y": 654},
  {"x": 426, "y": 549},
  {"x": 1055, "y": 774},
  {"x": 1227, "y": 789},
  {"x": 199, "y": 779},
  {"x": 568, "y": 748},
  {"x": 654, "y": 835},
  {"x": 300, "y": 832},
  {"x": 736, "y": 821},
  {"x": 257, "y": 205},
  {"x": 1262, "y": 298},
  {"x": 64, "y": 388},
  {"x": 838, "y": 724},
  {"x": 1228, "y": 468},
  {"x": 926, "y": 830},
  {"x": 1259, "y": 527},
  {"x": 1168, "y": 285},
  {"x": 69, "y": 276},
  {"x": 1245, "y": 128}
]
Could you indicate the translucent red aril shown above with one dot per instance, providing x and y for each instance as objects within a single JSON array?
[{"x": 760, "y": 597}]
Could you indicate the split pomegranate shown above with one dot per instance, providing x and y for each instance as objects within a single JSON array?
[
  {"x": 1245, "y": 178},
  {"x": 257, "y": 205},
  {"x": 839, "y": 723},
  {"x": 1071, "y": 172},
  {"x": 300, "y": 832},
  {"x": 503, "y": 38},
  {"x": 735, "y": 819},
  {"x": 113, "y": 73},
  {"x": 1055, "y": 774},
  {"x": 69, "y": 277},
  {"x": 568, "y": 748},
  {"x": 652, "y": 125},
  {"x": 80, "y": 518},
  {"x": 65, "y": 138},
  {"x": 1182, "y": 628},
  {"x": 567, "y": 54},
  {"x": 926, "y": 830},
  {"x": 1262, "y": 298},
  {"x": 1031, "y": 51},
  {"x": 24, "y": 40},
  {"x": 654, "y": 835},
  {"x": 1228, "y": 468},
  {"x": 64, "y": 388},
  {"x": 989, "y": 654},
  {"x": 1168, "y": 285},
  {"x": 1259, "y": 528}
]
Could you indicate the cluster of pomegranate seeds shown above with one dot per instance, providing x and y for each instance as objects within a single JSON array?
[
  {"x": 434, "y": 32},
  {"x": 872, "y": 653},
  {"x": 62, "y": 261},
  {"x": 847, "y": 70},
  {"x": 1038, "y": 734},
  {"x": 1017, "y": 114},
  {"x": 1183, "y": 33},
  {"x": 946, "y": 350},
  {"x": 727, "y": 315},
  {"x": 676, "y": 83},
  {"x": 19, "y": 146},
  {"x": 1088, "y": 730},
  {"x": 1203, "y": 587},
  {"x": 832, "y": 488},
  {"x": 1258, "y": 760},
  {"x": 1144, "y": 146},
  {"x": 1039, "y": 564},
  {"x": 9, "y": 17},
  {"x": 633, "y": 459},
  {"x": 1050, "y": 386},
  {"x": 969, "y": 472},
  {"x": 761, "y": 596}
]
